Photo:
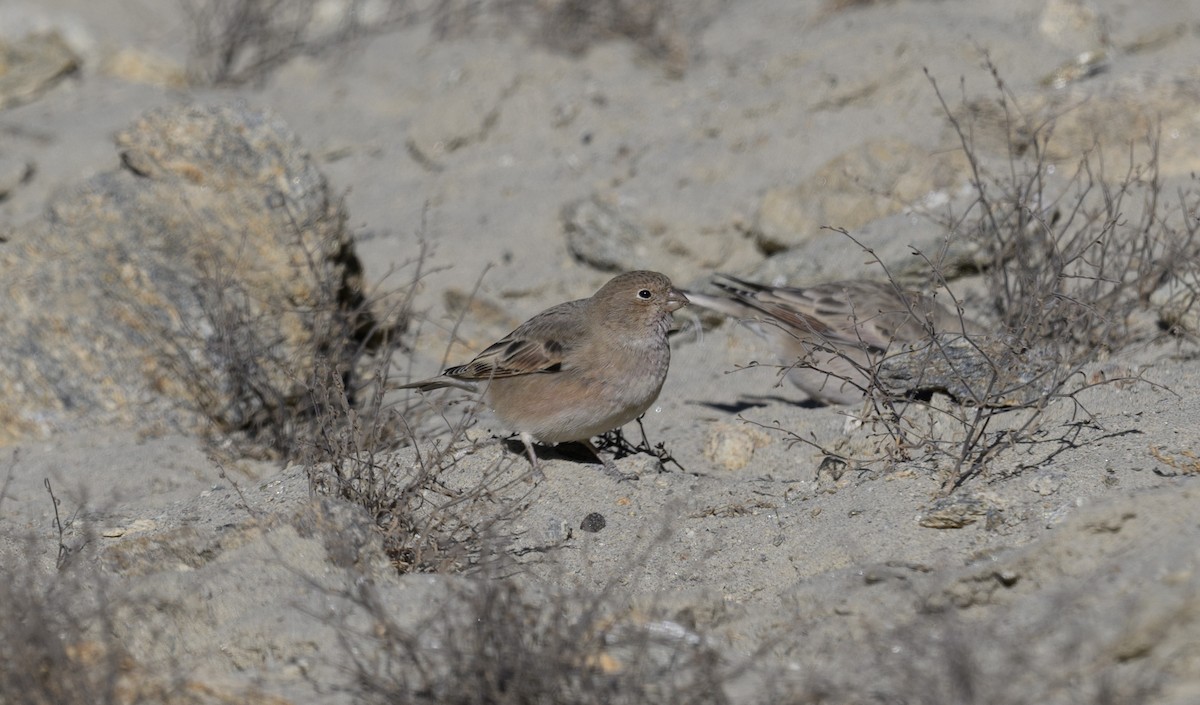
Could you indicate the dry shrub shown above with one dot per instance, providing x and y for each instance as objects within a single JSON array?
[
  {"x": 56, "y": 629},
  {"x": 1074, "y": 261},
  {"x": 427, "y": 523},
  {"x": 235, "y": 364},
  {"x": 433, "y": 515},
  {"x": 489, "y": 641},
  {"x": 1071, "y": 264},
  {"x": 665, "y": 30},
  {"x": 573, "y": 26},
  {"x": 321, "y": 399},
  {"x": 48, "y": 650},
  {"x": 244, "y": 41}
]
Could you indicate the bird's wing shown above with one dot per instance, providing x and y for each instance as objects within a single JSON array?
[
  {"x": 539, "y": 345},
  {"x": 512, "y": 357}
]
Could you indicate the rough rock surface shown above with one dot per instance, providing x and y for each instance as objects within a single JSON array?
[{"x": 195, "y": 284}]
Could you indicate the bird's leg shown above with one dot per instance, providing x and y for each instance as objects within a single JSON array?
[
  {"x": 527, "y": 439},
  {"x": 609, "y": 467}
]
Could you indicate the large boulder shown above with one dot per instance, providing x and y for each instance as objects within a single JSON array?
[{"x": 197, "y": 286}]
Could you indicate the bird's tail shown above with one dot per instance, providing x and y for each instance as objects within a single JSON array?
[{"x": 428, "y": 385}]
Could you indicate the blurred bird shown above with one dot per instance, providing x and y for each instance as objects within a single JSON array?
[
  {"x": 829, "y": 334},
  {"x": 580, "y": 368}
]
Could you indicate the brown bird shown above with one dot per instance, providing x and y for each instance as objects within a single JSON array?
[
  {"x": 830, "y": 333},
  {"x": 580, "y": 368}
]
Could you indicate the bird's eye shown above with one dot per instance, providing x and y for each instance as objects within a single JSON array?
[{"x": 645, "y": 294}]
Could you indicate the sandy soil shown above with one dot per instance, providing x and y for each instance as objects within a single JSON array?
[{"x": 1074, "y": 563}]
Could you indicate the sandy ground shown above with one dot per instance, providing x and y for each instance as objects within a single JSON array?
[{"x": 473, "y": 145}]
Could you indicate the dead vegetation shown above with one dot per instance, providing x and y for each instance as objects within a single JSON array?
[
  {"x": 245, "y": 365},
  {"x": 428, "y": 523},
  {"x": 48, "y": 654},
  {"x": 500, "y": 643},
  {"x": 1072, "y": 257},
  {"x": 237, "y": 42},
  {"x": 56, "y": 637},
  {"x": 243, "y": 41},
  {"x": 664, "y": 30}
]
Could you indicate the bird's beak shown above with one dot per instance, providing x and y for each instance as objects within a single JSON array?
[{"x": 676, "y": 299}]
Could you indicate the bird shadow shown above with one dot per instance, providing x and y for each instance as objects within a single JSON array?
[
  {"x": 622, "y": 447},
  {"x": 758, "y": 402},
  {"x": 614, "y": 441},
  {"x": 576, "y": 452}
]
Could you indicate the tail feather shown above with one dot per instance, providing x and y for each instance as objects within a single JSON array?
[{"x": 440, "y": 382}]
